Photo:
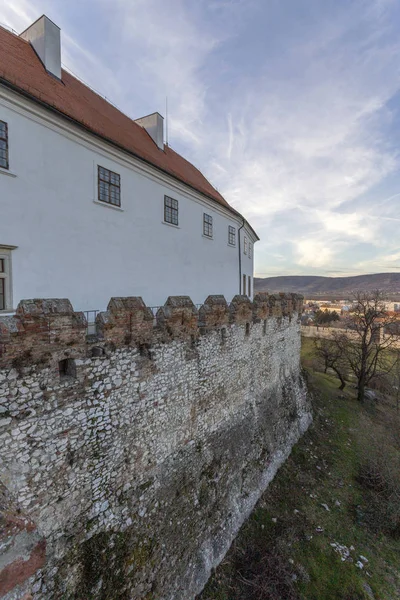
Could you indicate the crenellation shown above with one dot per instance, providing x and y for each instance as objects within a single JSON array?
[
  {"x": 178, "y": 318},
  {"x": 127, "y": 321},
  {"x": 148, "y": 444},
  {"x": 261, "y": 307},
  {"x": 275, "y": 303},
  {"x": 50, "y": 330},
  {"x": 241, "y": 310},
  {"x": 214, "y": 313},
  {"x": 41, "y": 330}
]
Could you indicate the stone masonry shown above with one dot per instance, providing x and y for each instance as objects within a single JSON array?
[{"x": 130, "y": 459}]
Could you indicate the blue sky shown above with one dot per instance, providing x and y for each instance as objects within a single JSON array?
[{"x": 291, "y": 108}]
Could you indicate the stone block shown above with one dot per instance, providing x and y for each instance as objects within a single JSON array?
[
  {"x": 126, "y": 321},
  {"x": 41, "y": 326},
  {"x": 241, "y": 310},
  {"x": 178, "y": 318},
  {"x": 275, "y": 304},
  {"x": 214, "y": 313},
  {"x": 298, "y": 303},
  {"x": 261, "y": 307}
]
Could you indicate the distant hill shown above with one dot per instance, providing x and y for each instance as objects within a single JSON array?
[{"x": 311, "y": 285}]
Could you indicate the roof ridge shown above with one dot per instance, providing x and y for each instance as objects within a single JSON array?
[
  {"x": 9, "y": 29},
  {"x": 77, "y": 101}
]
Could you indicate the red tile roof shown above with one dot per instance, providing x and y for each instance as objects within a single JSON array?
[{"x": 20, "y": 67}]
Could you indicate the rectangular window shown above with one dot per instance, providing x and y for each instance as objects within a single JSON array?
[
  {"x": 231, "y": 236},
  {"x": 3, "y": 145},
  {"x": 5, "y": 279},
  {"x": 109, "y": 186},
  {"x": 170, "y": 210},
  {"x": 207, "y": 225},
  {"x": 245, "y": 245},
  {"x": 2, "y": 294},
  {"x": 244, "y": 285},
  {"x": 250, "y": 250},
  {"x": 249, "y": 285}
]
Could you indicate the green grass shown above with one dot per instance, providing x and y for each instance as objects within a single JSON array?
[{"x": 322, "y": 469}]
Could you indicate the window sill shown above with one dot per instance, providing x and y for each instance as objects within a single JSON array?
[
  {"x": 170, "y": 224},
  {"x": 207, "y": 237},
  {"x": 108, "y": 205},
  {"x": 231, "y": 245},
  {"x": 9, "y": 312},
  {"x": 7, "y": 172}
]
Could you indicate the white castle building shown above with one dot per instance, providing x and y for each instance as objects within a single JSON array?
[{"x": 94, "y": 204}]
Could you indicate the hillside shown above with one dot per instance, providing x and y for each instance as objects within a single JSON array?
[
  {"x": 311, "y": 285},
  {"x": 327, "y": 527}
]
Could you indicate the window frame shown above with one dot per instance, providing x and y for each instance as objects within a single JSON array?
[
  {"x": 245, "y": 245},
  {"x": 110, "y": 185},
  {"x": 172, "y": 210},
  {"x": 250, "y": 250},
  {"x": 6, "y": 140},
  {"x": 231, "y": 235},
  {"x": 208, "y": 226},
  {"x": 244, "y": 285},
  {"x": 6, "y": 278},
  {"x": 249, "y": 285}
]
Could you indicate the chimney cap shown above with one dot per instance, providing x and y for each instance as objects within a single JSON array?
[{"x": 43, "y": 16}]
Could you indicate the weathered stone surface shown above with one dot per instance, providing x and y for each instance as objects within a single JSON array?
[
  {"x": 139, "y": 471},
  {"x": 261, "y": 307},
  {"x": 241, "y": 310},
  {"x": 41, "y": 329},
  {"x": 214, "y": 312},
  {"x": 127, "y": 321},
  {"x": 178, "y": 317}
]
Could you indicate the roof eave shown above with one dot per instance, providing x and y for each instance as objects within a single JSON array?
[{"x": 24, "y": 93}]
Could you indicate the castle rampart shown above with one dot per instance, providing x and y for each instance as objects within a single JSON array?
[{"x": 130, "y": 459}]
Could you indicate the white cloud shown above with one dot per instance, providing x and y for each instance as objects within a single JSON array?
[
  {"x": 312, "y": 253},
  {"x": 295, "y": 123}
]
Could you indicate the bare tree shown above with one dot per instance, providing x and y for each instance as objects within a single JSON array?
[
  {"x": 396, "y": 379},
  {"x": 331, "y": 354},
  {"x": 366, "y": 347}
]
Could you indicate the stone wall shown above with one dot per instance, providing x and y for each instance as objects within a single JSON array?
[{"x": 129, "y": 460}]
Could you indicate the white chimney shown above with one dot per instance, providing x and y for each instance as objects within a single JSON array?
[
  {"x": 45, "y": 38},
  {"x": 154, "y": 125}
]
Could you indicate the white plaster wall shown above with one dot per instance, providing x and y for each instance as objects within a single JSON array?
[{"x": 70, "y": 246}]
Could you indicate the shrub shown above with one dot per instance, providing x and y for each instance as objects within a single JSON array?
[{"x": 379, "y": 474}]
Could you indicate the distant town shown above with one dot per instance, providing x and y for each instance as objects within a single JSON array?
[{"x": 335, "y": 312}]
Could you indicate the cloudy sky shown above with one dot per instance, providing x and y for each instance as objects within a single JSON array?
[{"x": 291, "y": 108}]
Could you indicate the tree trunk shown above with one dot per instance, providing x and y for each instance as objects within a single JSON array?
[
  {"x": 361, "y": 389},
  {"x": 340, "y": 376}
]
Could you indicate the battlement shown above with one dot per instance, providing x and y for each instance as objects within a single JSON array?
[
  {"x": 44, "y": 328},
  {"x": 108, "y": 439}
]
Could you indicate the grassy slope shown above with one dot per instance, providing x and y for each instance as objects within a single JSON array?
[{"x": 289, "y": 557}]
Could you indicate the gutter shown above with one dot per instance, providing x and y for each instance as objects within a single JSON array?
[{"x": 240, "y": 256}]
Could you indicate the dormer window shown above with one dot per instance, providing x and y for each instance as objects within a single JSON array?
[
  {"x": 3, "y": 145},
  {"x": 109, "y": 186}
]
